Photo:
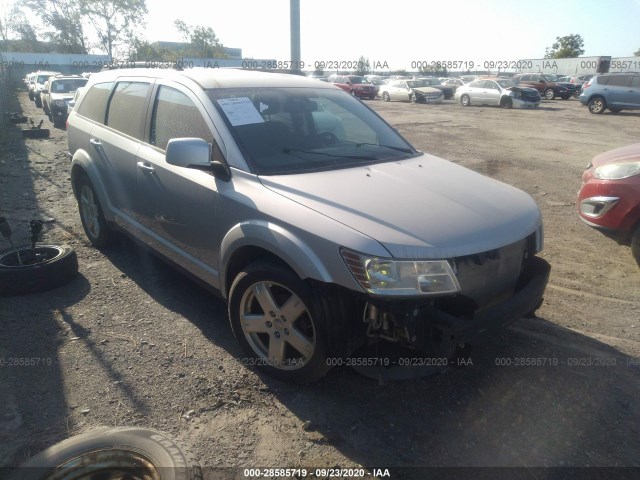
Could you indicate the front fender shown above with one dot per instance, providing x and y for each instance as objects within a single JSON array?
[
  {"x": 81, "y": 163},
  {"x": 275, "y": 239}
]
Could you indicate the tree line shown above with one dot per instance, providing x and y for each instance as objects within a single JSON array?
[{"x": 113, "y": 27}]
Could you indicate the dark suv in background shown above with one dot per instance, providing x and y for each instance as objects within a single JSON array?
[
  {"x": 615, "y": 91},
  {"x": 546, "y": 85}
]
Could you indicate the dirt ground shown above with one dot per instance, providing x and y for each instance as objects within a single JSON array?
[{"x": 131, "y": 342}]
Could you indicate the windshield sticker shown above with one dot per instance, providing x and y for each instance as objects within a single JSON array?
[{"x": 240, "y": 111}]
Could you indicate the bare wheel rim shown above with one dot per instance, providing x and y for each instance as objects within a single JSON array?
[
  {"x": 277, "y": 325},
  {"x": 89, "y": 211},
  {"x": 107, "y": 464}
]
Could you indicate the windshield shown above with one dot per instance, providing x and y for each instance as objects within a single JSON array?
[
  {"x": 505, "y": 83},
  {"x": 297, "y": 130},
  {"x": 430, "y": 81},
  {"x": 67, "y": 86},
  {"x": 417, "y": 83},
  {"x": 550, "y": 77},
  {"x": 42, "y": 78},
  {"x": 358, "y": 80}
]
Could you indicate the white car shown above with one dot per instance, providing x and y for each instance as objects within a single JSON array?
[
  {"x": 414, "y": 91},
  {"x": 498, "y": 91}
]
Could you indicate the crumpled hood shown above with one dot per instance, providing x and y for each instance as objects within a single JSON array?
[
  {"x": 424, "y": 207},
  {"x": 427, "y": 90},
  {"x": 629, "y": 153}
]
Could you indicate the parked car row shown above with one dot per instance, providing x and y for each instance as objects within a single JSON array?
[{"x": 54, "y": 92}]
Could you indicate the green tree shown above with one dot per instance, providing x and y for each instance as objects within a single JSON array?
[
  {"x": 566, "y": 47},
  {"x": 364, "y": 67},
  {"x": 65, "y": 18},
  {"x": 142, "y": 50},
  {"x": 636, "y": 53},
  {"x": 17, "y": 25},
  {"x": 114, "y": 21},
  {"x": 202, "y": 40}
]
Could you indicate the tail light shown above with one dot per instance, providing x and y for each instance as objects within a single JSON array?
[{"x": 586, "y": 85}]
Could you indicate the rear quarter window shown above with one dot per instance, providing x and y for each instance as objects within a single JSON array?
[{"x": 94, "y": 103}]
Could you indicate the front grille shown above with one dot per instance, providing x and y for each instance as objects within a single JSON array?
[{"x": 490, "y": 277}]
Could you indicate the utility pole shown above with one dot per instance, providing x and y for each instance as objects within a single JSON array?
[{"x": 295, "y": 35}]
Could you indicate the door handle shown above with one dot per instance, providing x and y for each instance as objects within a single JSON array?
[
  {"x": 145, "y": 167},
  {"x": 95, "y": 142}
]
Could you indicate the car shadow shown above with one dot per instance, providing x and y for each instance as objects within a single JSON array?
[{"x": 535, "y": 394}]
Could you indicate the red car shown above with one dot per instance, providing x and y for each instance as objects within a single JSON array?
[
  {"x": 356, "y": 85},
  {"x": 609, "y": 199}
]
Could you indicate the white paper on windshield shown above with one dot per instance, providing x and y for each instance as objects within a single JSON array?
[{"x": 240, "y": 111}]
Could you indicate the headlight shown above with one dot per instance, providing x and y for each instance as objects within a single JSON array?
[
  {"x": 385, "y": 276},
  {"x": 616, "y": 171}
]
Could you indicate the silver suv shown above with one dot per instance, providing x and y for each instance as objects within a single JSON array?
[
  {"x": 615, "y": 91},
  {"x": 320, "y": 225}
]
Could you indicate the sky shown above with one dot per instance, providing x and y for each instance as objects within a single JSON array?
[{"x": 407, "y": 31}]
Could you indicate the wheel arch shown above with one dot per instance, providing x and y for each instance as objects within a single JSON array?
[
  {"x": 250, "y": 241},
  {"x": 82, "y": 165}
]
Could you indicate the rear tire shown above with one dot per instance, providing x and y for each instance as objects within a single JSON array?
[
  {"x": 597, "y": 105},
  {"x": 93, "y": 222},
  {"x": 38, "y": 102}
]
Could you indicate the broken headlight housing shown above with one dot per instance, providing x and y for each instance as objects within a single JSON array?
[{"x": 389, "y": 277}]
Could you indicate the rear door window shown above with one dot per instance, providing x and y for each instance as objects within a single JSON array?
[
  {"x": 620, "y": 80},
  {"x": 128, "y": 108}
]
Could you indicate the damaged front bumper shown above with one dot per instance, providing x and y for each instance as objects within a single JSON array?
[{"x": 439, "y": 327}]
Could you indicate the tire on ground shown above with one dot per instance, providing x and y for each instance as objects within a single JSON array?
[
  {"x": 59, "y": 269},
  {"x": 132, "y": 447},
  {"x": 92, "y": 218},
  {"x": 635, "y": 245},
  {"x": 309, "y": 325}
]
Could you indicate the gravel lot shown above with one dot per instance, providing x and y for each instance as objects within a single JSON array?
[{"x": 131, "y": 342}]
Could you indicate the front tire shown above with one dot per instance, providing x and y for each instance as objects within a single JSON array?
[
  {"x": 275, "y": 320},
  {"x": 465, "y": 100},
  {"x": 385, "y": 97},
  {"x": 597, "y": 105},
  {"x": 506, "y": 102},
  {"x": 93, "y": 222},
  {"x": 413, "y": 98},
  {"x": 549, "y": 94},
  {"x": 38, "y": 102}
]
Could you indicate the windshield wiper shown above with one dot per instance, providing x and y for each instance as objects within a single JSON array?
[
  {"x": 357, "y": 157},
  {"x": 400, "y": 149}
]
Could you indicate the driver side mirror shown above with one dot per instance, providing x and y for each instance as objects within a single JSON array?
[{"x": 196, "y": 153}]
